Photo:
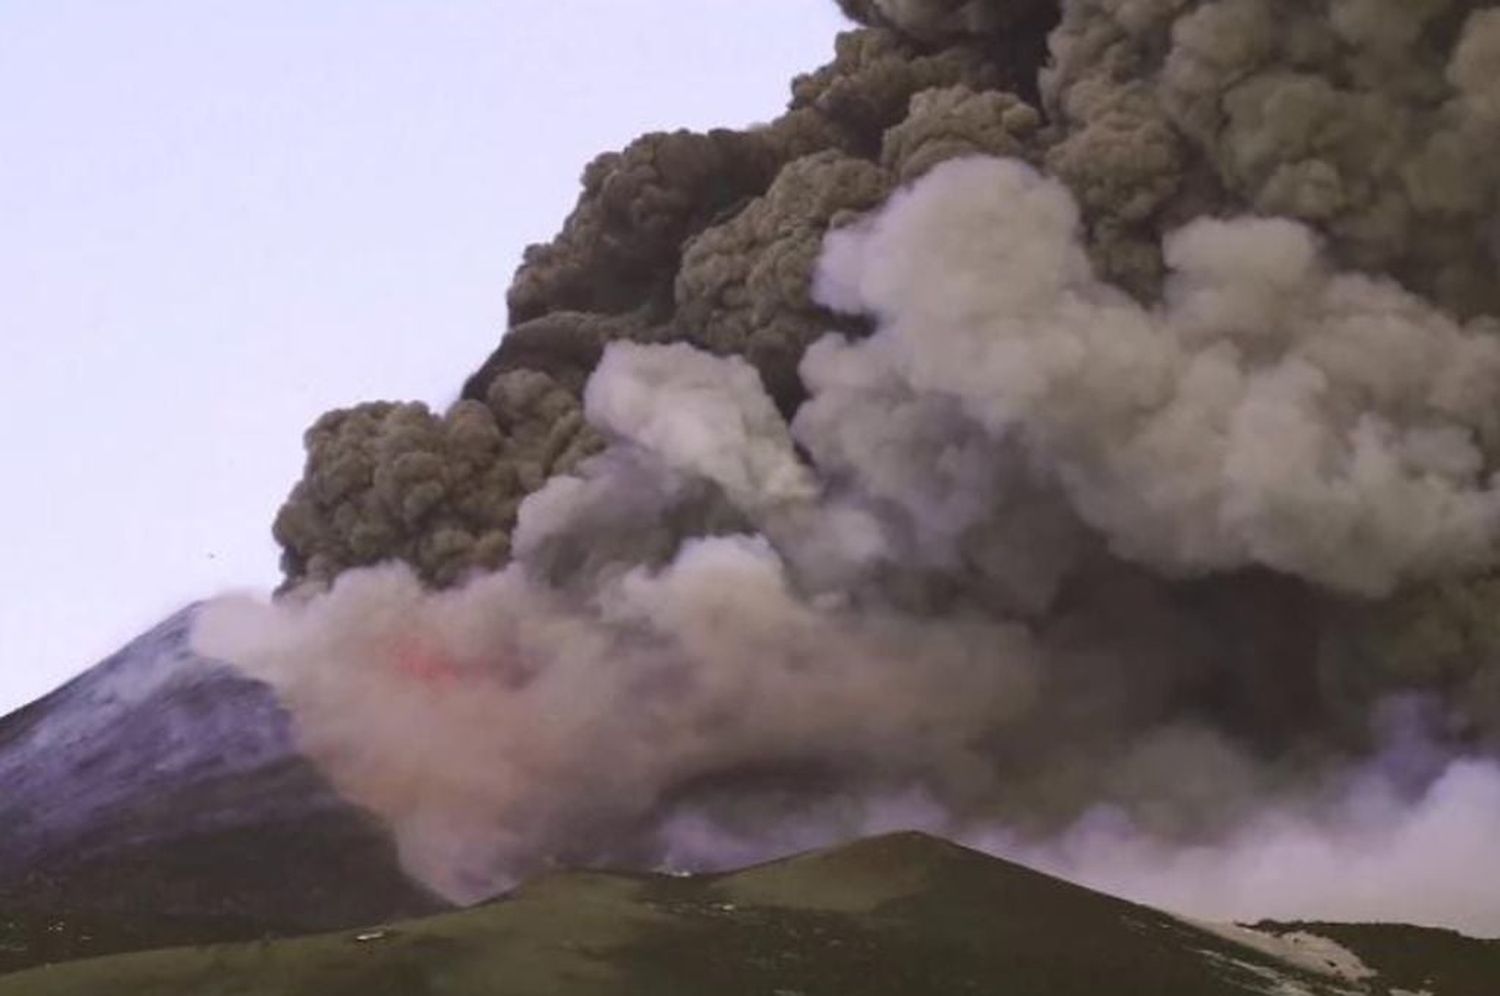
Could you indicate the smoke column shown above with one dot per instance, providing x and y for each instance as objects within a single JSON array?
[{"x": 1069, "y": 428}]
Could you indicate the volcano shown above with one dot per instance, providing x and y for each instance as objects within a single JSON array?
[
  {"x": 163, "y": 786},
  {"x": 1068, "y": 428}
]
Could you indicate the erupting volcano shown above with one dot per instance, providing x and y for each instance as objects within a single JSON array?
[{"x": 1069, "y": 428}]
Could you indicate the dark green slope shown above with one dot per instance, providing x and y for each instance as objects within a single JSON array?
[{"x": 902, "y": 914}]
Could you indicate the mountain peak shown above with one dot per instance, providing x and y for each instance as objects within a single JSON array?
[{"x": 160, "y": 782}]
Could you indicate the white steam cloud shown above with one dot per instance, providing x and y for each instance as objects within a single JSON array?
[{"x": 1371, "y": 855}]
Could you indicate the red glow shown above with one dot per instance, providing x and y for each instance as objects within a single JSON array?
[{"x": 422, "y": 663}]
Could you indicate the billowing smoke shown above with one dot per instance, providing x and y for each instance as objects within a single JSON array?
[
  {"x": 1368, "y": 854},
  {"x": 1071, "y": 428},
  {"x": 506, "y": 724},
  {"x": 1268, "y": 411}
]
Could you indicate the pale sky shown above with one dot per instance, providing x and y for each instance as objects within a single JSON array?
[{"x": 219, "y": 219}]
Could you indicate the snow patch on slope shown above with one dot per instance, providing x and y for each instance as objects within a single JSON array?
[
  {"x": 1298, "y": 949},
  {"x": 150, "y": 719}
]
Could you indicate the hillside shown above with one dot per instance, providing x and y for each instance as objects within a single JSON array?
[
  {"x": 146, "y": 800},
  {"x": 901, "y": 914}
]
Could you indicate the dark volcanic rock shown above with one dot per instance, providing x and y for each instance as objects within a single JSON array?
[{"x": 163, "y": 784}]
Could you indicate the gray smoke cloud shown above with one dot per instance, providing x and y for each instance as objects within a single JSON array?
[
  {"x": 1270, "y": 410},
  {"x": 715, "y": 708},
  {"x": 1373, "y": 119},
  {"x": 1369, "y": 854},
  {"x": 395, "y": 480},
  {"x": 935, "y": 20},
  {"x": 1068, "y": 427},
  {"x": 503, "y": 726}
]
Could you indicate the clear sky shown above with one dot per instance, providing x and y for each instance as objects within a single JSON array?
[{"x": 219, "y": 219}]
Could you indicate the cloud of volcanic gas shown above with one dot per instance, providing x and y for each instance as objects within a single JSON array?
[
  {"x": 1367, "y": 853},
  {"x": 506, "y": 725},
  {"x": 710, "y": 645},
  {"x": 1071, "y": 427},
  {"x": 1270, "y": 410}
]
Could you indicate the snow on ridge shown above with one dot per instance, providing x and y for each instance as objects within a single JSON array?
[
  {"x": 1300, "y": 949},
  {"x": 151, "y": 718},
  {"x": 124, "y": 679}
]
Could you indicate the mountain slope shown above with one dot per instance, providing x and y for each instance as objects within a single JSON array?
[
  {"x": 903, "y": 914},
  {"x": 160, "y": 784}
]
